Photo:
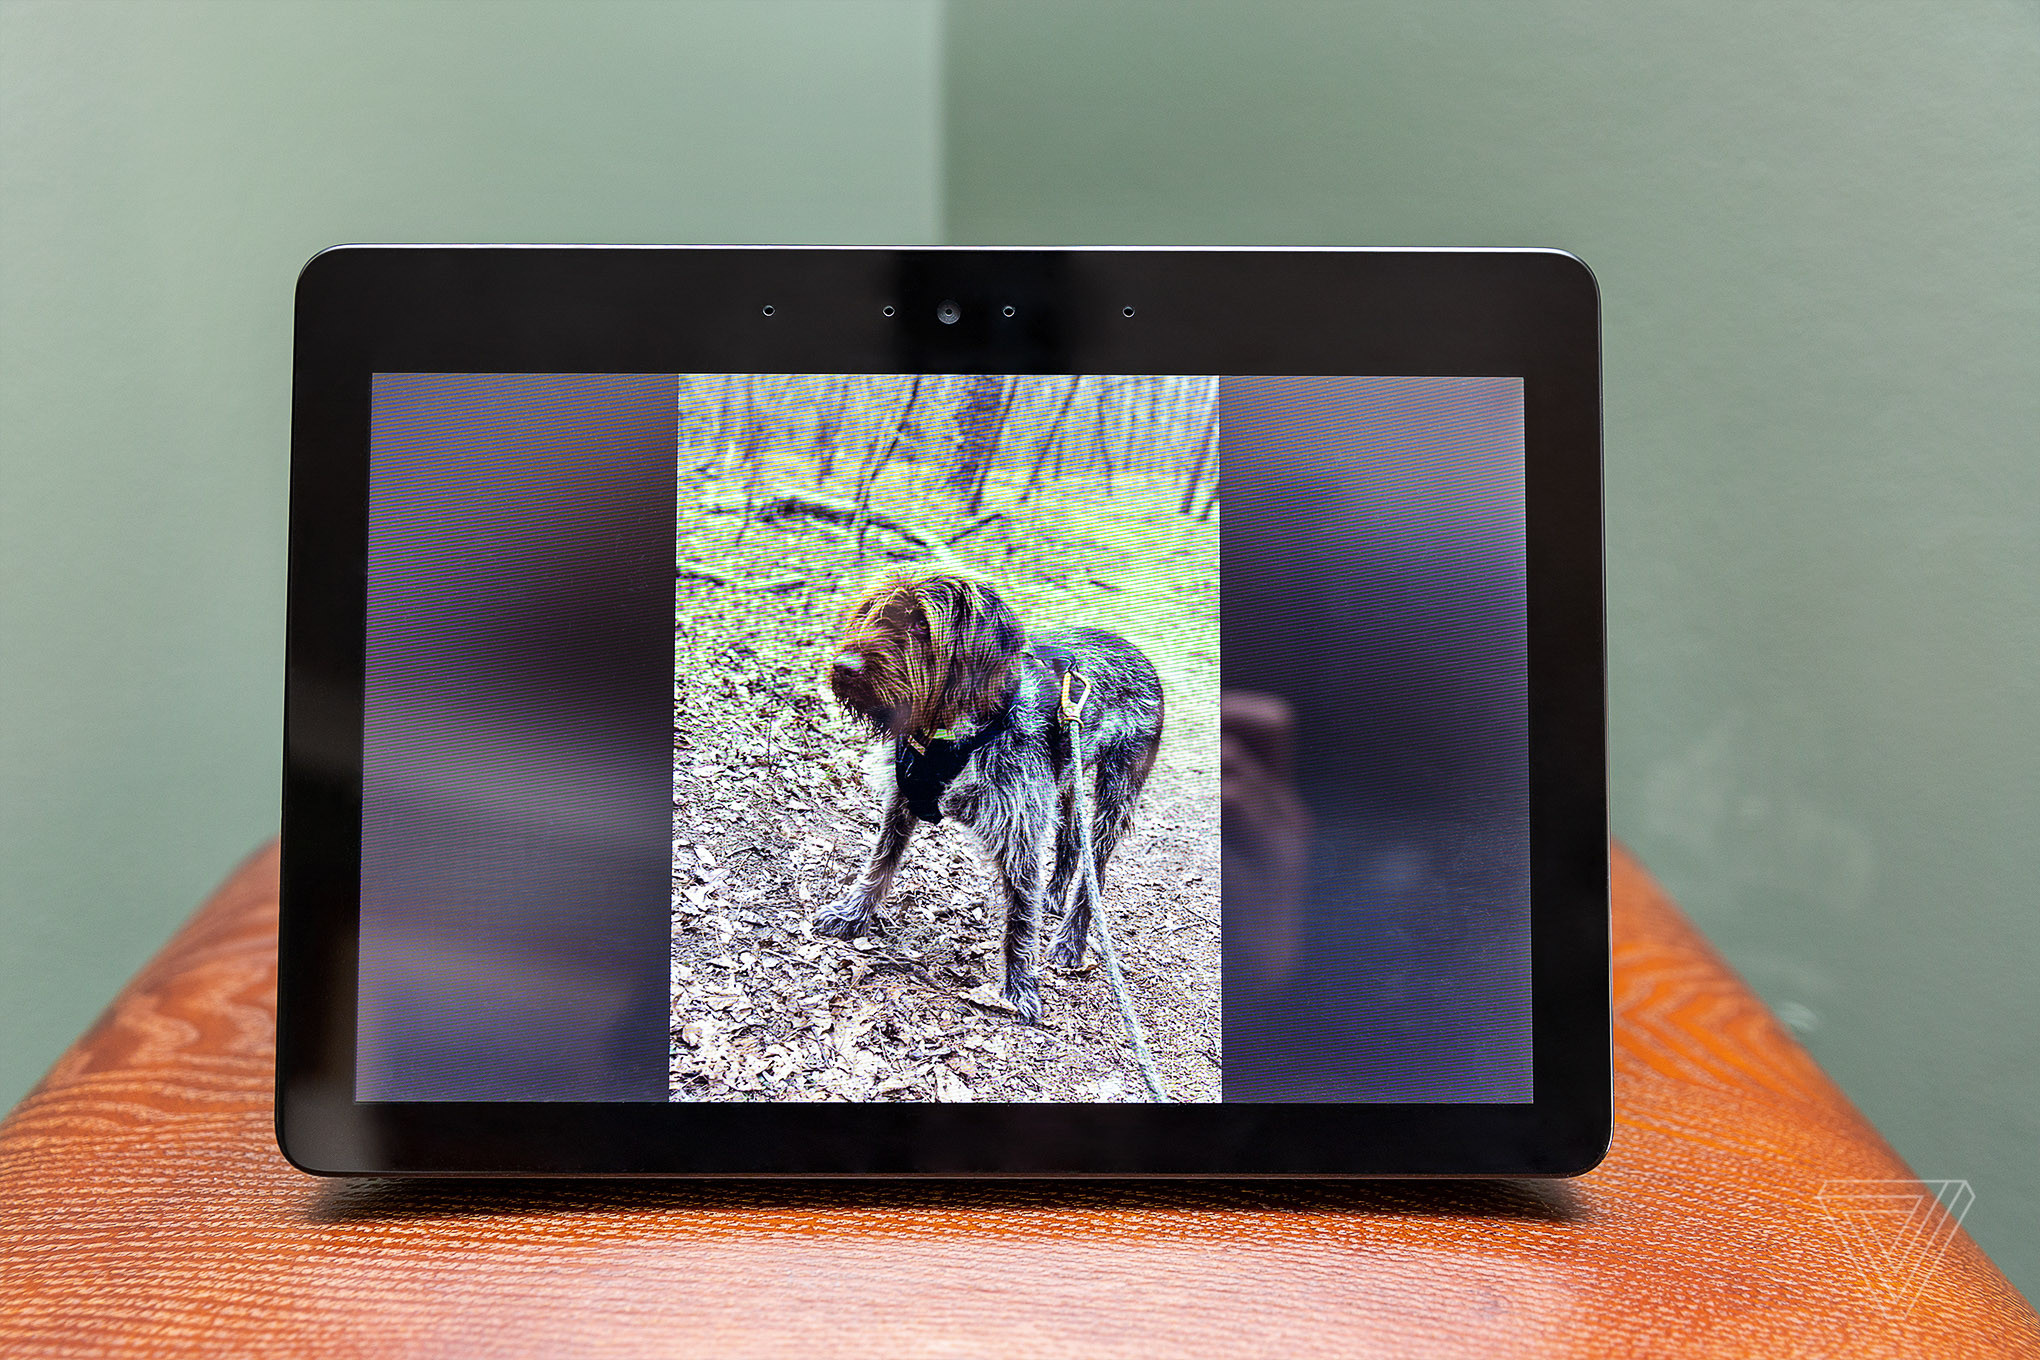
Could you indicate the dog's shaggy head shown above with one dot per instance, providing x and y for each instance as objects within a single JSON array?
[{"x": 920, "y": 651}]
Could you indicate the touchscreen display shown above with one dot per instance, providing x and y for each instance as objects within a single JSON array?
[{"x": 945, "y": 737}]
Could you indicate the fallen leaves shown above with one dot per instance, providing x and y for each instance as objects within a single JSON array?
[{"x": 991, "y": 998}]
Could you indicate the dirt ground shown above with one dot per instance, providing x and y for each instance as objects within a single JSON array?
[{"x": 773, "y": 817}]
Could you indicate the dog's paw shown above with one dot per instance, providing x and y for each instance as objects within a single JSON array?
[
  {"x": 1067, "y": 953},
  {"x": 844, "y": 920},
  {"x": 1024, "y": 995}
]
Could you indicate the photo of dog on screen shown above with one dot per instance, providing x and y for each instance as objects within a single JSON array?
[{"x": 945, "y": 779}]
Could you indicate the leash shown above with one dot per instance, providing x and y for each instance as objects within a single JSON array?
[{"x": 1072, "y": 716}]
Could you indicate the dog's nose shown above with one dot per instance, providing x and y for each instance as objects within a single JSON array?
[{"x": 853, "y": 662}]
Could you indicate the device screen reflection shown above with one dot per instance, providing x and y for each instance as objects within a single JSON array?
[{"x": 1374, "y": 742}]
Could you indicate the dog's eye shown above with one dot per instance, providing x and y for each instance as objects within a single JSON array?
[{"x": 919, "y": 624}]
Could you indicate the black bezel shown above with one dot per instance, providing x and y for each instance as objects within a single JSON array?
[{"x": 360, "y": 310}]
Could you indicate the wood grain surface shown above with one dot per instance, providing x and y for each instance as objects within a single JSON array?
[{"x": 144, "y": 1209}]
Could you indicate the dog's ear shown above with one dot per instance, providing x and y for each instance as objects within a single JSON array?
[
  {"x": 984, "y": 640},
  {"x": 858, "y": 608}
]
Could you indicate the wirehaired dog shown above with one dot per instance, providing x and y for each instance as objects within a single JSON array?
[{"x": 965, "y": 710}]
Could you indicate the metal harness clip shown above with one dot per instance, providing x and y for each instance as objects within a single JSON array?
[{"x": 1070, "y": 711}]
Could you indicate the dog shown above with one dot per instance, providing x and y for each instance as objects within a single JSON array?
[{"x": 965, "y": 710}]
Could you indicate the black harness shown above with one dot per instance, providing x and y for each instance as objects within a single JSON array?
[{"x": 923, "y": 772}]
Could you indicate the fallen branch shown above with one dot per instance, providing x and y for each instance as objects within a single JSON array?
[
  {"x": 782, "y": 505},
  {"x": 972, "y": 528},
  {"x": 694, "y": 571}
]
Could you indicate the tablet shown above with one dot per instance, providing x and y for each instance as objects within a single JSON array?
[{"x": 767, "y": 711}]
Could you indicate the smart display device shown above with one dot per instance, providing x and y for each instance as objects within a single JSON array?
[{"x": 860, "y": 712}]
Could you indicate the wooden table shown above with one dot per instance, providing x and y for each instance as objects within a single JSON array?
[{"x": 144, "y": 1208}]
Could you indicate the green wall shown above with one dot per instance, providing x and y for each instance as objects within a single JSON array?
[
  {"x": 1817, "y": 232},
  {"x": 165, "y": 169},
  {"x": 1817, "y": 229}
]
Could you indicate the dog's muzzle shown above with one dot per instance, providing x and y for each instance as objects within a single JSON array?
[{"x": 850, "y": 682}]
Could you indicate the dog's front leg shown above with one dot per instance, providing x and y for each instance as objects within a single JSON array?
[
  {"x": 1023, "y": 824},
  {"x": 1023, "y": 924},
  {"x": 850, "y": 916}
]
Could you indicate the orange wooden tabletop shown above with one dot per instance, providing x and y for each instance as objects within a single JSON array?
[{"x": 144, "y": 1208}]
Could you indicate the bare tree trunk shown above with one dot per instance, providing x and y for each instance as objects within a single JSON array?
[
  {"x": 728, "y": 422},
  {"x": 983, "y": 411},
  {"x": 984, "y": 426},
  {"x": 829, "y": 428},
  {"x": 1195, "y": 475},
  {"x": 877, "y": 461},
  {"x": 1207, "y": 448},
  {"x": 1063, "y": 447},
  {"x": 757, "y": 420},
  {"x": 871, "y": 446},
  {"x": 977, "y": 495},
  {"x": 1051, "y": 441},
  {"x": 1217, "y": 471},
  {"x": 1103, "y": 454}
]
